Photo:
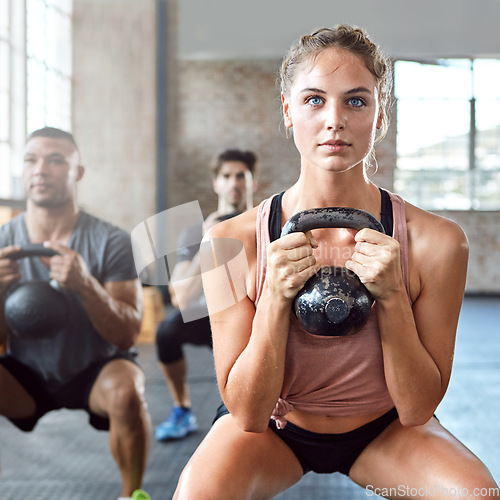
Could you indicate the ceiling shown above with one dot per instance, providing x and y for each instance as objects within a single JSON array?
[{"x": 256, "y": 29}]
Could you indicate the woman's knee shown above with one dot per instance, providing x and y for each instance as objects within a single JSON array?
[
  {"x": 427, "y": 456},
  {"x": 478, "y": 481},
  {"x": 201, "y": 483}
]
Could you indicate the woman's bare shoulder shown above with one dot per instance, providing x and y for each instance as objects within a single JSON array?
[
  {"x": 438, "y": 246},
  {"x": 428, "y": 226},
  {"x": 241, "y": 227}
]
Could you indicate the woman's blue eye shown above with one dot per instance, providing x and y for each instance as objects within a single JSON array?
[
  {"x": 315, "y": 101},
  {"x": 356, "y": 102}
]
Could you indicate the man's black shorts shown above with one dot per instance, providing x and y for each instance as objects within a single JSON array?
[{"x": 72, "y": 395}]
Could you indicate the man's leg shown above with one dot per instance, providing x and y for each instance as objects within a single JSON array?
[
  {"x": 118, "y": 394},
  {"x": 170, "y": 337},
  {"x": 175, "y": 375},
  {"x": 15, "y": 402}
]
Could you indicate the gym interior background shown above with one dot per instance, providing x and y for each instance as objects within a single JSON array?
[{"x": 153, "y": 88}]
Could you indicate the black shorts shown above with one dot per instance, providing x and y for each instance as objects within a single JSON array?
[
  {"x": 328, "y": 453},
  {"x": 172, "y": 333},
  {"x": 73, "y": 395}
]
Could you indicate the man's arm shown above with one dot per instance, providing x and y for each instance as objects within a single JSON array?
[
  {"x": 9, "y": 274},
  {"x": 114, "y": 308}
]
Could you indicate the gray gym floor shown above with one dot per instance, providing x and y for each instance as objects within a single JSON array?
[{"x": 64, "y": 458}]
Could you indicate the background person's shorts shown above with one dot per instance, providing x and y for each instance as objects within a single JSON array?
[{"x": 73, "y": 395}]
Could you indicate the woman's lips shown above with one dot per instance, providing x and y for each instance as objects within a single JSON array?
[{"x": 334, "y": 146}]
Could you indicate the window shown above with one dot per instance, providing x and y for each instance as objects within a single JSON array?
[
  {"x": 48, "y": 40},
  {"x": 35, "y": 79},
  {"x": 448, "y": 133}
]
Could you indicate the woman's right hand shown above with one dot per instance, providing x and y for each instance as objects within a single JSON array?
[
  {"x": 9, "y": 268},
  {"x": 290, "y": 263}
]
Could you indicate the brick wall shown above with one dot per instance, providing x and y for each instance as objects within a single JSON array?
[{"x": 229, "y": 104}]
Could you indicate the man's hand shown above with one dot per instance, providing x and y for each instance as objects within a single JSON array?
[
  {"x": 9, "y": 268},
  {"x": 68, "y": 269}
]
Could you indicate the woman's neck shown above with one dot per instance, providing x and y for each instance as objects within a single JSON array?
[{"x": 319, "y": 188}]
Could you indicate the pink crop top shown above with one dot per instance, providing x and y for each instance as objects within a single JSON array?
[{"x": 333, "y": 376}]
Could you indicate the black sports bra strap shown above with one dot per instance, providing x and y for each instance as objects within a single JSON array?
[
  {"x": 275, "y": 214},
  {"x": 386, "y": 216},
  {"x": 275, "y": 217}
]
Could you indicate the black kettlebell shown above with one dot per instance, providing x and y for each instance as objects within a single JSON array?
[
  {"x": 35, "y": 309},
  {"x": 333, "y": 302}
]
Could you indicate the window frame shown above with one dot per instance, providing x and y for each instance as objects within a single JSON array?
[
  {"x": 18, "y": 93},
  {"x": 472, "y": 170}
]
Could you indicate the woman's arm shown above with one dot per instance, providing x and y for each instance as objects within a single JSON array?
[
  {"x": 250, "y": 342},
  {"x": 417, "y": 340}
]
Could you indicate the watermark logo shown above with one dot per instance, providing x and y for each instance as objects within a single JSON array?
[
  {"x": 159, "y": 242},
  {"x": 436, "y": 490}
]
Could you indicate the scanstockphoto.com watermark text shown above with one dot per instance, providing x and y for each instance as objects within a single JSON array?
[{"x": 436, "y": 490}]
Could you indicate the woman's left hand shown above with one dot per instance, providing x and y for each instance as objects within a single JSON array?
[{"x": 376, "y": 261}]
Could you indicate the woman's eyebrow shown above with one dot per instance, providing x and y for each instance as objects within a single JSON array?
[
  {"x": 358, "y": 90},
  {"x": 312, "y": 89}
]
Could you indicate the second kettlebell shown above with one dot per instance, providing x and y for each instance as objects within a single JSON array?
[{"x": 35, "y": 309}]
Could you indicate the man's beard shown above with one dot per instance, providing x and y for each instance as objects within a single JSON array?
[{"x": 50, "y": 202}]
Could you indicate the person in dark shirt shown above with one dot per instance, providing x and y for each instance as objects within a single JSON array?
[
  {"x": 233, "y": 178},
  {"x": 90, "y": 363}
]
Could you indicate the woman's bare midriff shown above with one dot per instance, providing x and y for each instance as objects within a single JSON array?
[{"x": 330, "y": 425}]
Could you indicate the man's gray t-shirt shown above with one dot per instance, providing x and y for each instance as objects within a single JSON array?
[{"x": 107, "y": 252}]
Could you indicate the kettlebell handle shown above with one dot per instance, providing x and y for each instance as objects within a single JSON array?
[
  {"x": 331, "y": 217},
  {"x": 32, "y": 250}
]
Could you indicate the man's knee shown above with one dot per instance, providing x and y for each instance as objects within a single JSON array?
[
  {"x": 123, "y": 394},
  {"x": 125, "y": 398}
]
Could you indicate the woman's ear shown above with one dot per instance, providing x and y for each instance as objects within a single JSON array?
[
  {"x": 380, "y": 119},
  {"x": 287, "y": 116}
]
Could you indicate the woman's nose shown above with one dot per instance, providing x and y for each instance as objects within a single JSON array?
[{"x": 335, "y": 119}]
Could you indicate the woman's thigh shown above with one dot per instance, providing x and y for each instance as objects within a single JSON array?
[
  {"x": 423, "y": 461},
  {"x": 233, "y": 464}
]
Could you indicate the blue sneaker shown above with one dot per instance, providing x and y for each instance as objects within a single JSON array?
[{"x": 178, "y": 425}]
